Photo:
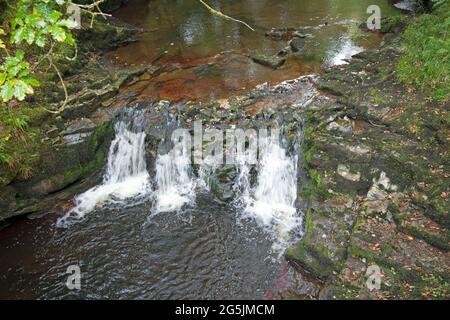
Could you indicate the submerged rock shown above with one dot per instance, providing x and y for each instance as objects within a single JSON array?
[
  {"x": 279, "y": 34},
  {"x": 297, "y": 44},
  {"x": 268, "y": 61}
]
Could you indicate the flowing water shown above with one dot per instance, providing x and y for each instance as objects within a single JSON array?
[
  {"x": 152, "y": 229},
  {"x": 125, "y": 177},
  {"x": 271, "y": 202}
]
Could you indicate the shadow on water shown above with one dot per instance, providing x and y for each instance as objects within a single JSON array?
[{"x": 200, "y": 253}]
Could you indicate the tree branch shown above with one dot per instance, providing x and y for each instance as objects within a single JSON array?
[{"x": 220, "y": 14}]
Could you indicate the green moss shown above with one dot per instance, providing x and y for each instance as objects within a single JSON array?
[
  {"x": 101, "y": 134},
  {"x": 314, "y": 258},
  {"x": 391, "y": 24},
  {"x": 309, "y": 223},
  {"x": 426, "y": 60},
  {"x": 75, "y": 174}
]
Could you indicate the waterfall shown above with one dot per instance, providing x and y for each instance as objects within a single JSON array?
[
  {"x": 126, "y": 174},
  {"x": 175, "y": 186},
  {"x": 271, "y": 202}
]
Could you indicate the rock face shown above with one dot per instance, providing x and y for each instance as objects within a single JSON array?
[
  {"x": 378, "y": 187},
  {"x": 278, "y": 34},
  {"x": 58, "y": 167},
  {"x": 68, "y": 150}
]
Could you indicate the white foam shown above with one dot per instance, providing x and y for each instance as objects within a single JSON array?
[
  {"x": 175, "y": 185},
  {"x": 271, "y": 203},
  {"x": 125, "y": 177}
]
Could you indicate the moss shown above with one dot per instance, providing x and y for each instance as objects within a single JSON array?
[
  {"x": 313, "y": 259},
  {"x": 309, "y": 223},
  {"x": 102, "y": 134},
  {"x": 75, "y": 174},
  {"x": 392, "y": 24}
]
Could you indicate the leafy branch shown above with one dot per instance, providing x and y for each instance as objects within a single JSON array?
[{"x": 40, "y": 23}]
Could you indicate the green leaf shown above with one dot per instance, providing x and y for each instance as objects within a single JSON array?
[
  {"x": 2, "y": 78},
  {"x": 21, "y": 89},
  {"x": 7, "y": 91}
]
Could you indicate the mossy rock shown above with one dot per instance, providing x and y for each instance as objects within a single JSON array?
[{"x": 268, "y": 61}]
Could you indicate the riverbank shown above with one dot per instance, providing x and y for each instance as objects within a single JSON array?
[{"x": 377, "y": 154}]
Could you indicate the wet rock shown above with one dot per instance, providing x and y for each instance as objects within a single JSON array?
[
  {"x": 283, "y": 52},
  {"x": 75, "y": 138},
  {"x": 222, "y": 182},
  {"x": 406, "y": 5},
  {"x": 323, "y": 247},
  {"x": 58, "y": 167},
  {"x": 79, "y": 126},
  {"x": 278, "y": 34},
  {"x": 268, "y": 61},
  {"x": 361, "y": 144},
  {"x": 393, "y": 25},
  {"x": 297, "y": 44}
]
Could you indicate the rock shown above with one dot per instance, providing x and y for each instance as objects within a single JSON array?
[
  {"x": 318, "y": 254},
  {"x": 344, "y": 172},
  {"x": 222, "y": 182},
  {"x": 268, "y": 61},
  {"x": 58, "y": 167},
  {"x": 75, "y": 138},
  {"x": 79, "y": 126},
  {"x": 406, "y": 5},
  {"x": 394, "y": 25},
  {"x": 279, "y": 34},
  {"x": 283, "y": 52},
  {"x": 297, "y": 44}
]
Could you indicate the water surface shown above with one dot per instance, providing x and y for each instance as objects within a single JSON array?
[{"x": 205, "y": 56}]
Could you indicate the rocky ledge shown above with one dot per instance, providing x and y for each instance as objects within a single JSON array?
[{"x": 376, "y": 153}]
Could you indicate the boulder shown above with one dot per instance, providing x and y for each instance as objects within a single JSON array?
[{"x": 268, "y": 61}]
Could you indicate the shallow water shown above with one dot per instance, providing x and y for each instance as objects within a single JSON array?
[
  {"x": 207, "y": 57},
  {"x": 124, "y": 254}
]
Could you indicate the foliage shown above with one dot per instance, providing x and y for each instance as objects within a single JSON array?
[
  {"x": 4, "y": 158},
  {"x": 36, "y": 22},
  {"x": 438, "y": 3},
  {"x": 40, "y": 21},
  {"x": 426, "y": 62},
  {"x": 15, "y": 79}
]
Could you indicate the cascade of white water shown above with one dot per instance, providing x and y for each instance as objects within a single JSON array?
[
  {"x": 175, "y": 185},
  {"x": 271, "y": 202},
  {"x": 126, "y": 174}
]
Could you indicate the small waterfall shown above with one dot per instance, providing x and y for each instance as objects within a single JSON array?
[
  {"x": 126, "y": 174},
  {"x": 271, "y": 202},
  {"x": 175, "y": 186}
]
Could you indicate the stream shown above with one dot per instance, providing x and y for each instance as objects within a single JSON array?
[{"x": 153, "y": 229}]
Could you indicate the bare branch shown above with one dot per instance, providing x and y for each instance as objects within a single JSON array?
[{"x": 220, "y": 14}]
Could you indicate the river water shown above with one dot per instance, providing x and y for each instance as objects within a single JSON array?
[
  {"x": 159, "y": 234},
  {"x": 206, "y": 57}
]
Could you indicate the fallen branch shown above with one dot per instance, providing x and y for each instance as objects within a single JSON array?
[
  {"x": 88, "y": 8},
  {"x": 220, "y": 14}
]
